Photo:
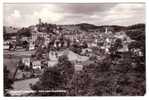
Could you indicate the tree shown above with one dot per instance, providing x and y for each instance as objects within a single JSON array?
[
  {"x": 25, "y": 44},
  {"x": 76, "y": 48},
  {"x": 114, "y": 48},
  {"x": 20, "y": 66},
  {"x": 7, "y": 81},
  {"x": 66, "y": 68},
  {"x": 24, "y": 32},
  {"x": 93, "y": 58},
  {"x": 55, "y": 78},
  {"x": 118, "y": 44},
  {"x": 90, "y": 81},
  {"x": 51, "y": 79}
]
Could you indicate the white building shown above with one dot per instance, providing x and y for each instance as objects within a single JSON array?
[
  {"x": 31, "y": 46},
  {"x": 24, "y": 39},
  {"x": 26, "y": 61},
  {"x": 78, "y": 67},
  {"x": 36, "y": 64},
  {"x": 6, "y": 47}
]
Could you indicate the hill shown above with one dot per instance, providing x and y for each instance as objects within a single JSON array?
[{"x": 10, "y": 30}]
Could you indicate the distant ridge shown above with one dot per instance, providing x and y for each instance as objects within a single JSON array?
[{"x": 84, "y": 26}]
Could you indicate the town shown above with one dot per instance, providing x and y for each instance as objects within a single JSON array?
[{"x": 29, "y": 51}]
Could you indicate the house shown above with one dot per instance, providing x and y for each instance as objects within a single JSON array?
[
  {"x": 26, "y": 61},
  {"x": 47, "y": 40},
  {"x": 65, "y": 43},
  {"x": 124, "y": 48},
  {"x": 137, "y": 52},
  {"x": 34, "y": 36},
  {"x": 105, "y": 49},
  {"x": 51, "y": 63},
  {"x": 41, "y": 34},
  {"x": 24, "y": 39},
  {"x": 86, "y": 51},
  {"x": 31, "y": 46},
  {"x": 94, "y": 44},
  {"x": 36, "y": 64},
  {"x": 78, "y": 67},
  {"x": 13, "y": 37},
  {"x": 6, "y": 47},
  {"x": 89, "y": 44}
]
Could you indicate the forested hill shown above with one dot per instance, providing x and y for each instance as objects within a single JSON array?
[
  {"x": 133, "y": 31},
  {"x": 136, "y": 32},
  {"x": 115, "y": 28}
]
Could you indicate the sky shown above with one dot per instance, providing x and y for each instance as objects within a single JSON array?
[{"x": 26, "y": 14}]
